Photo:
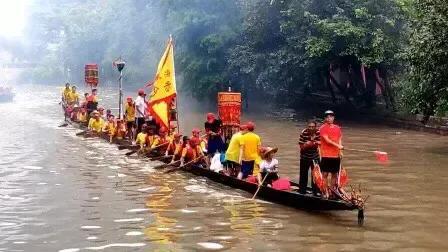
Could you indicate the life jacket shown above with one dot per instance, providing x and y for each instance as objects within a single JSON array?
[
  {"x": 173, "y": 147},
  {"x": 190, "y": 153},
  {"x": 92, "y": 103},
  {"x": 120, "y": 132},
  {"x": 150, "y": 139}
]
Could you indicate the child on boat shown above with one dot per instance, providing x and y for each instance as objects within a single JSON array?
[{"x": 268, "y": 167}]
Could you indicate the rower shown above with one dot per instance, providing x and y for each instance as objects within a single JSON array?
[
  {"x": 151, "y": 137},
  {"x": 250, "y": 144},
  {"x": 178, "y": 152},
  {"x": 101, "y": 110},
  {"x": 191, "y": 152},
  {"x": 162, "y": 141},
  {"x": 108, "y": 113},
  {"x": 330, "y": 151},
  {"x": 82, "y": 115},
  {"x": 268, "y": 166},
  {"x": 202, "y": 141},
  {"x": 96, "y": 123},
  {"x": 129, "y": 114},
  {"x": 120, "y": 130},
  {"x": 109, "y": 127},
  {"x": 84, "y": 103},
  {"x": 174, "y": 147},
  {"x": 74, "y": 113},
  {"x": 141, "y": 137}
]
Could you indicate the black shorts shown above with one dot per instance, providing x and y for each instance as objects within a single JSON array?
[
  {"x": 330, "y": 165},
  {"x": 130, "y": 125},
  {"x": 247, "y": 168}
]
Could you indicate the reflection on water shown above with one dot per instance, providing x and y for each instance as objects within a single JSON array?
[{"x": 60, "y": 192}]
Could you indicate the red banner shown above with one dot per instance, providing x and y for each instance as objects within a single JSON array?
[
  {"x": 91, "y": 74},
  {"x": 229, "y": 108}
]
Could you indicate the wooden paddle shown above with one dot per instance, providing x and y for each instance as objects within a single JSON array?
[
  {"x": 81, "y": 133},
  {"x": 259, "y": 186},
  {"x": 381, "y": 156},
  {"x": 64, "y": 124},
  {"x": 127, "y": 146},
  {"x": 151, "y": 149},
  {"x": 166, "y": 165},
  {"x": 182, "y": 166},
  {"x": 160, "y": 157}
]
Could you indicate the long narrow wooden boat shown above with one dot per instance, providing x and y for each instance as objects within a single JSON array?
[{"x": 291, "y": 198}]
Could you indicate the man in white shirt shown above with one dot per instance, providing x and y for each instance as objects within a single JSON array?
[{"x": 140, "y": 110}]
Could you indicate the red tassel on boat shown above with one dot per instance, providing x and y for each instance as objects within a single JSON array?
[
  {"x": 317, "y": 177},
  {"x": 343, "y": 178}
]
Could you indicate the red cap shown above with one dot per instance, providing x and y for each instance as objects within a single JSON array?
[
  {"x": 210, "y": 116},
  {"x": 173, "y": 125},
  {"x": 196, "y": 130},
  {"x": 243, "y": 126},
  {"x": 129, "y": 98},
  {"x": 250, "y": 126},
  {"x": 177, "y": 135},
  {"x": 162, "y": 130},
  {"x": 141, "y": 91}
]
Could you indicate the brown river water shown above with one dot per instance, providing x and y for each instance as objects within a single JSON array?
[{"x": 59, "y": 192}]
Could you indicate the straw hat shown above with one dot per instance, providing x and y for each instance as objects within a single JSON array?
[{"x": 268, "y": 150}]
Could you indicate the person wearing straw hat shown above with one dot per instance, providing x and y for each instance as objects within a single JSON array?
[
  {"x": 268, "y": 166},
  {"x": 96, "y": 123},
  {"x": 330, "y": 151}
]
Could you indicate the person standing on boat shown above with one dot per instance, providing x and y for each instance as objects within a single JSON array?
[
  {"x": 213, "y": 129},
  {"x": 73, "y": 97},
  {"x": 250, "y": 145},
  {"x": 129, "y": 114},
  {"x": 92, "y": 101},
  {"x": 233, "y": 152},
  {"x": 330, "y": 150},
  {"x": 309, "y": 154},
  {"x": 140, "y": 107},
  {"x": 66, "y": 93}
]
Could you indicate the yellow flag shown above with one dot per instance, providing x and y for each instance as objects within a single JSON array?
[{"x": 164, "y": 89}]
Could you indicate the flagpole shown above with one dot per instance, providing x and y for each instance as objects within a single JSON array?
[{"x": 120, "y": 65}]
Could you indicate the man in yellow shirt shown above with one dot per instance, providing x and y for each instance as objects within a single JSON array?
[
  {"x": 249, "y": 151},
  {"x": 73, "y": 97},
  {"x": 65, "y": 93},
  {"x": 129, "y": 113},
  {"x": 96, "y": 123},
  {"x": 141, "y": 137},
  {"x": 233, "y": 151}
]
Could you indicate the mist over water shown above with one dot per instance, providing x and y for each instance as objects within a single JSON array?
[{"x": 60, "y": 192}]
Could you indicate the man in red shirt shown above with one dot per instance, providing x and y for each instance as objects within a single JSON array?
[{"x": 330, "y": 150}]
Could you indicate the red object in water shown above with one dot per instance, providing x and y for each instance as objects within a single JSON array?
[
  {"x": 282, "y": 184},
  {"x": 382, "y": 157}
]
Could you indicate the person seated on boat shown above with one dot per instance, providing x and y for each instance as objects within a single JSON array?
[
  {"x": 101, "y": 110},
  {"x": 151, "y": 137},
  {"x": 173, "y": 128},
  {"x": 120, "y": 130},
  {"x": 141, "y": 137},
  {"x": 202, "y": 141},
  {"x": 268, "y": 166},
  {"x": 96, "y": 123},
  {"x": 178, "y": 152},
  {"x": 232, "y": 155},
  {"x": 175, "y": 144},
  {"x": 109, "y": 127},
  {"x": 73, "y": 97},
  {"x": 74, "y": 113},
  {"x": 82, "y": 115},
  {"x": 92, "y": 101},
  {"x": 161, "y": 142},
  {"x": 191, "y": 153},
  {"x": 65, "y": 94},
  {"x": 213, "y": 129},
  {"x": 108, "y": 113}
]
